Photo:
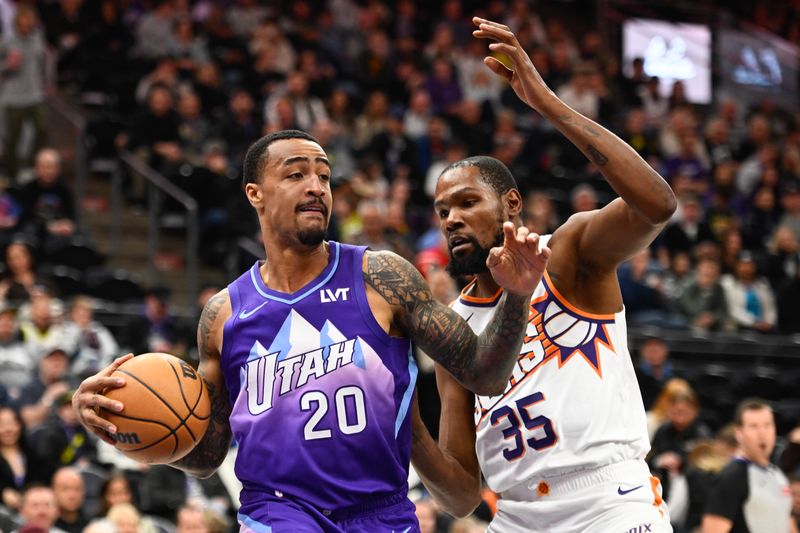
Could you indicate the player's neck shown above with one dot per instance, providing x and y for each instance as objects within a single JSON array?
[
  {"x": 485, "y": 286},
  {"x": 290, "y": 269}
]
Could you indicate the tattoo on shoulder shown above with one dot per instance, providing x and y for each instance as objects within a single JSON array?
[
  {"x": 597, "y": 156},
  {"x": 396, "y": 280},
  {"x": 207, "y": 318},
  {"x": 435, "y": 328}
]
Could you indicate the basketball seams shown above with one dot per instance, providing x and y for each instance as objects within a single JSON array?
[
  {"x": 171, "y": 432},
  {"x": 157, "y": 384},
  {"x": 183, "y": 395}
]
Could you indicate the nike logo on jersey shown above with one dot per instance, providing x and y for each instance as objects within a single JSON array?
[
  {"x": 470, "y": 316},
  {"x": 622, "y": 492},
  {"x": 247, "y": 314}
]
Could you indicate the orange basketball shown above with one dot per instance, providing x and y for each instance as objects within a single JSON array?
[{"x": 166, "y": 408}]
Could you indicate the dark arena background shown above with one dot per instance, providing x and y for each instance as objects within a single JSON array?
[{"x": 124, "y": 124}]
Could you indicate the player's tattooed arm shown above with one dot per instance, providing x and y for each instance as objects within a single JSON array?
[
  {"x": 482, "y": 363},
  {"x": 209, "y": 453}
]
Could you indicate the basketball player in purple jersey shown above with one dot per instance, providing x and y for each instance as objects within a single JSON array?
[
  {"x": 307, "y": 357},
  {"x": 564, "y": 442}
]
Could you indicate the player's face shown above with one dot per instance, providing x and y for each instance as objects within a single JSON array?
[
  {"x": 756, "y": 436},
  {"x": 471, "y": 219},
  {"x": 294, "y": 195}
]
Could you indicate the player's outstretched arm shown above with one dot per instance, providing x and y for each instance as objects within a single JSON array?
[
  {"x": 624, "y": 226},
  {"x": 482, "y": 363},
  {"x": 209, "y": 453},
  {"x": 449, "y": 469}
]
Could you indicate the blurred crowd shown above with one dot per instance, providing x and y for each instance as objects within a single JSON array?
[{"x": 394, "y": 91}]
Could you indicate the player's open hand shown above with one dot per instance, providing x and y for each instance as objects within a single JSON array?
[
  {"x": 519, "y": 264},
  {"x": 88, "y": 400},
  {"x": 521, "y": 74}
]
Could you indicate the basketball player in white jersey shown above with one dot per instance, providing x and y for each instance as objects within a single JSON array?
[{"x": 564, "y": 444}]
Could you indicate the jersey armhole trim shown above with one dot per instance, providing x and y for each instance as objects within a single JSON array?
[
  {"x": 360, "y": 286},
  {"x": 564, "y": 302},
  {"x": 233, "y": 293}
]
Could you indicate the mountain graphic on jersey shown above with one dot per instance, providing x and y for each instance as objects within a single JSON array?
[{"x": 299, "y": 355}]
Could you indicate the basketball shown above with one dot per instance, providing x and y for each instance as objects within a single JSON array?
[{"x": 166, "y": 408}]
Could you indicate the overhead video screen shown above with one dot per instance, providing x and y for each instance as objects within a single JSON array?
[
  {"x": 671, "y": 51},
  {"x": 754, "y": 64}
]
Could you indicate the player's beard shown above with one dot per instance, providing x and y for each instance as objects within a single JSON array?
[
  {"x": 311, "y": 236},
  {"x": 474, "y": 262}
]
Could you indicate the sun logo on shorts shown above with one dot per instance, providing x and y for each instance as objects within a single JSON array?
[
  {"x": 565, "y": 333},
  {"x": 542, "y": 489}
]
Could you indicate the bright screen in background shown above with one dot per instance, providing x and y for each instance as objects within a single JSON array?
[
  {"x": 754, "y": 65},
  {"x": 672, "y": 52}
]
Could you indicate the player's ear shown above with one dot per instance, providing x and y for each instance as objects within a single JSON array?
[
  {"x": 512, "y": 201},
  {"x": 254, "y": 195}
]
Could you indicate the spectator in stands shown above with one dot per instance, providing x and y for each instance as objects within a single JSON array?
[
  {"x": 19, "y": 463},
  {"x": 703, "y": 300},
  {"x": 208, "y": 86},
  {"x": 191, "y": 520},
  {"x": 578, "y": 93},
  {"x": 69, "y": 492},
  {"x": 539, "y": 213},
  {"x": 426, "y": 514},
  {"x": 90, "y": 343},
  {"x": 790, "y": 201},
  {"x": 41, "y": 394},
  {"x": 703, "y": 464},
  {"x": 62, "y": 440},
  {"x": 638, "y": 135},
  {"x": 42, "y": 330},
  {"x": 39, "y": 510},
  {"x": 396, "y": 151},
  {"x": 751, "y": 493},
  {"x": 689, "y": 230},
  {"x": 308, "y": 110},
  {"x": 443, "y": 87},
  {"x": 673, "y": 440},
  {"x": 188, "y": 49},
  {"x": 47, "y": 202},
  {"x": 194, "y": 128},
  {"x": 154, "y": 134},
  {"x": 10, "y": 213},
  {"x": 374, "y": 233},
  {"x": 240, "y": 125},
  {"x": 762, "y": 218},
  {"x": 653, "y": 371},
  {"x": 126, "y": 517},
  {"x": 583, "y": 198},
  {"x": 783, "y": 260},
  {"x": 20, "y": 279},
  {"x": 16, "y": 364},
  {"x": 372, "y": 119},
  {"x": 717, "y": 141},
  {"x": 657, "y": 415},
  {"x": 25, "y": 84},
  {"x": 154, "y": 35},
  {"x": 631, "y": 84},
  {"x": 641, "y": 287},
  {"x": 751, "y": 303},
  {"x": 156, "y": 329},
  {"x": 100, "y": 526},
  {"x": 675, "y": 279},
  {"x": 655, "y": 106},
  {"x": 115, "y": 490}
]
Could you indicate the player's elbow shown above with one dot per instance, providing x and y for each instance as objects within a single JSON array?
[
  {"x": 465, "y": 506},
  {"x": 662, "y": 212}
]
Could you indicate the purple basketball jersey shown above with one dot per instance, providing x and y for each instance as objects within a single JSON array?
[{"x": 319, "y": 392}]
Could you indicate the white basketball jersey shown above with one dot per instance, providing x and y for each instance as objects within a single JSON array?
[{"x": 573, "y": 401}]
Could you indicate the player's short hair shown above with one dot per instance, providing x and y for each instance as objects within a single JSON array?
[
  {"x": 492, "y": 171},
  {"x": 257, "y": 155},
  {"x": 750, "y": 404}
]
